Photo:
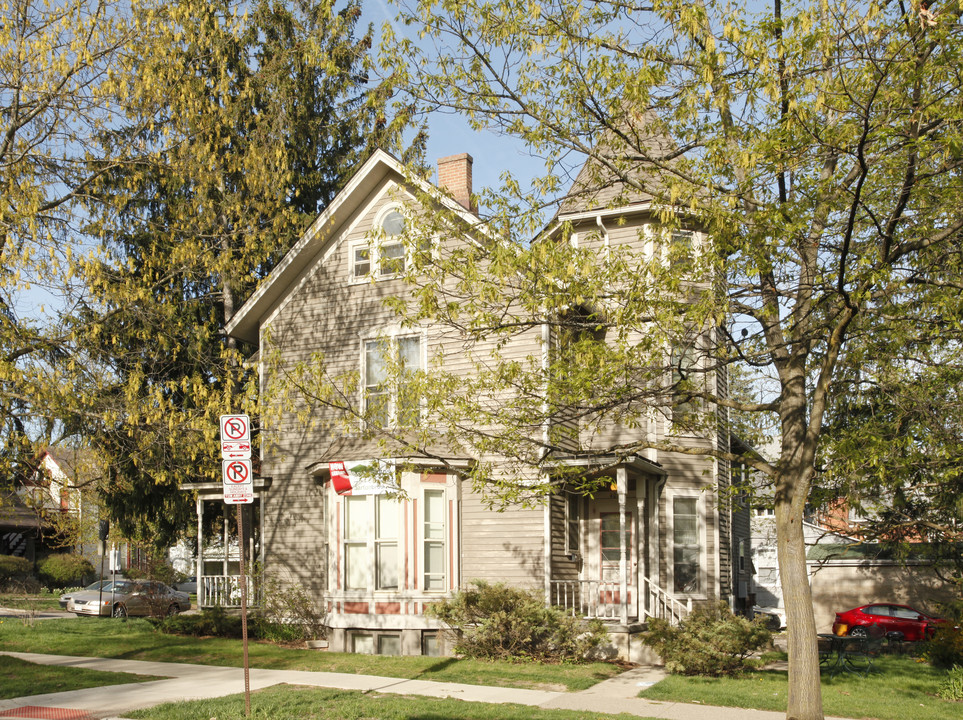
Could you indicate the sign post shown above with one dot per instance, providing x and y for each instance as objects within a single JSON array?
[{"x": 238, "y": 478}]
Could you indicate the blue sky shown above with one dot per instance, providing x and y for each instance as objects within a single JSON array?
[{"x": 450, "y": 134}]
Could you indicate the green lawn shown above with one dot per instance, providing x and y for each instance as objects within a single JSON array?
[
  {"x": 36, "y": 602},
  {"x": 136, "y": 639},
  {"x": 19, "y": 678},
  {"x": 308, "y": 703},
  {"x": 901, "y": 688}
]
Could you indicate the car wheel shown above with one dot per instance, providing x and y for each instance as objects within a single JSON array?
[
  {"x": 173, "y": 610},
  {"x": 119, "y": 611},
  {"x": 858, "y": 631}
]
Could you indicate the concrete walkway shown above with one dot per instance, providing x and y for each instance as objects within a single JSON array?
[{"x": 190, "y": 682}]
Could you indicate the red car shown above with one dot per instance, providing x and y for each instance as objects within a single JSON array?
[{"x": 892, "y": 618}]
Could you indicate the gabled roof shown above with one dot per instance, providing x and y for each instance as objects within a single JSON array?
[
  {"x": 620, "y": 173},
  {"x": 326, "y": 229}
]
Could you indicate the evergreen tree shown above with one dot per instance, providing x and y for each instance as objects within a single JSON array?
[{"x": 258, "y": 113}]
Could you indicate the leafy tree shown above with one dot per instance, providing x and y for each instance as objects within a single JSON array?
[
  {"x": 54, "y": 100},
  {"x": 250, "y": 116},
  {"x": 893, "y": 453},
  {"x": 818, "y": 146}
]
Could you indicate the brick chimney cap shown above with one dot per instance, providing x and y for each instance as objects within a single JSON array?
[{"x": 459, "y": 156}]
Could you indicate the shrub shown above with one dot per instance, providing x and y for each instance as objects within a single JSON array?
[
  {"x": 159, "y": 570},
  {"x": 952, "y": 686},
  {"x": 212, "y": 622},
  {"x": 710, "y": 641},
  {"x": 61, "y": 570},
  {"x": 945, "y": 648},
  {"x": 13, "y": 569},
  {"x": 505, "y": 623},
  {"x": 289, "y": 614}
]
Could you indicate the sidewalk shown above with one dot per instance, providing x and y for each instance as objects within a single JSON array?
[{"x": 191, "y": 682}]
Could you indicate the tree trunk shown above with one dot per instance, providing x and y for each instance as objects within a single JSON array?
[{"x": 805, "y": 693}]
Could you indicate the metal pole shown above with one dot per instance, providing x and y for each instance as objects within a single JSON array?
[{"x": 247, "y": 673}]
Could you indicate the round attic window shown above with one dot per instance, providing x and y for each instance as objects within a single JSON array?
[{"x": 394, "y": 223}]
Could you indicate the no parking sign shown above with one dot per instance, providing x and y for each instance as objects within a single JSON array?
[{"x": 238, "y": 482}]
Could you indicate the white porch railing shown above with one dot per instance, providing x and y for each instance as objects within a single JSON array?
[
  {"x": 660, "y": 604},
  {"x": 224, "y": 591},
  {"x": 589, "y": 598},
  {"x": 601, "y": 600}
]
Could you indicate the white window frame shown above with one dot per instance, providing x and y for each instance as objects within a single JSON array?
[
  {"x": 699, "y": 498},
  {"x": 573, "y": 520},
  {"x": 698, "y": 377},
  {"x": 378, "y": 250},
  {"x": 372, "y": 544},
  {"x": 427, "y": 538},
  {"x": 392, "y": 393}
]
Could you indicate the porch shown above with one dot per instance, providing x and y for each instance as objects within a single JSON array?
[
  {"x": 218, "y": 553},
  {"x": 608, "y": 551}
]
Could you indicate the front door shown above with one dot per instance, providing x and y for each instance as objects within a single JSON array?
[{"x": 605, "y": 555}]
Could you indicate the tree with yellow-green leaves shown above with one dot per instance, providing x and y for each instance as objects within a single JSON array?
[
  {"x": 819, "y": 147},
  {"x": 248, "y": 116},
  {"x": 55, "y": 98}
]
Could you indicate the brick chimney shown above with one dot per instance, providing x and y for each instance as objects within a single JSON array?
[{"x": 454, "y": 175}]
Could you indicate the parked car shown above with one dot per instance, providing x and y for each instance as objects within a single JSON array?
[
  {"x": 130, "y": 597},
  {"x": 913, "y": 624},
  {"x": 188, "y": 585},
  {"x": 95, "y": 586}
]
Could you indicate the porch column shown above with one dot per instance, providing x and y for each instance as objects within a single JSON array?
[
  {"x": 642, "y": 548},
  {"x": 621, "y": 485},
  {"x": 547, "y": 551},
  {"x": 199, "y": 568}
]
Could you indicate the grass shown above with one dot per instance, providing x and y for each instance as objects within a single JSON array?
[
  {"x": 19, "y": 678},
  {"x": 287, "y": 701},
  {"x": 35, "y": 602},
  {"x": 137, "y": 639},
  {"x": 900, "y": 688}
]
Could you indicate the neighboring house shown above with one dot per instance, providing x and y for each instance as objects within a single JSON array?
[
  {"x": 51, "y": 511},
  {"x": 56, "y": 511},
  {"x": 654, "y": 543},
  {"x": 843, "y": 571}
]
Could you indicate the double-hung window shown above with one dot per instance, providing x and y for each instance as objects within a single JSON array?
[
  {"x": 687, "y": 379},
  {"x": 371, "y": 542},
  {"x": 390, "y": 381},
  {"x": 686, "y": 546},
  {"x": 434, "y": 540}
]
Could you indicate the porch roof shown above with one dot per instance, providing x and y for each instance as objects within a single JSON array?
[
  {"x": 321, "y": 467},
  {"x": 217, "y": 488},
  {"x": 605, "y": 462}
]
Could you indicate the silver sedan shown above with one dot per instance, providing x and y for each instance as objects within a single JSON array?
[{"x": 130, "y": 597}]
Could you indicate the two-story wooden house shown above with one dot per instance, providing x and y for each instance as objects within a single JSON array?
[{"x": 652, "y": 543}]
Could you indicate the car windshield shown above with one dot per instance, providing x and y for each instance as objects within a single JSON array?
[
  {"x": 97, "y": 585},
  {"x": 121, "y": 586}
]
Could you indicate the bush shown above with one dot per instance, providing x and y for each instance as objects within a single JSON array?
[
  {"x": 62, "y": 570},
  {"x": 710, "y": 641},
  {"x": 289, "y": 614},
  {"x": 952, "y": 686},
  {"x": 212, "y": 622},
  {"x": 159, "y": 570},
  {"x": 945, "y": 648},
  {"x": 499, "y": 622},
  {"x": 13, "y": 570}
]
